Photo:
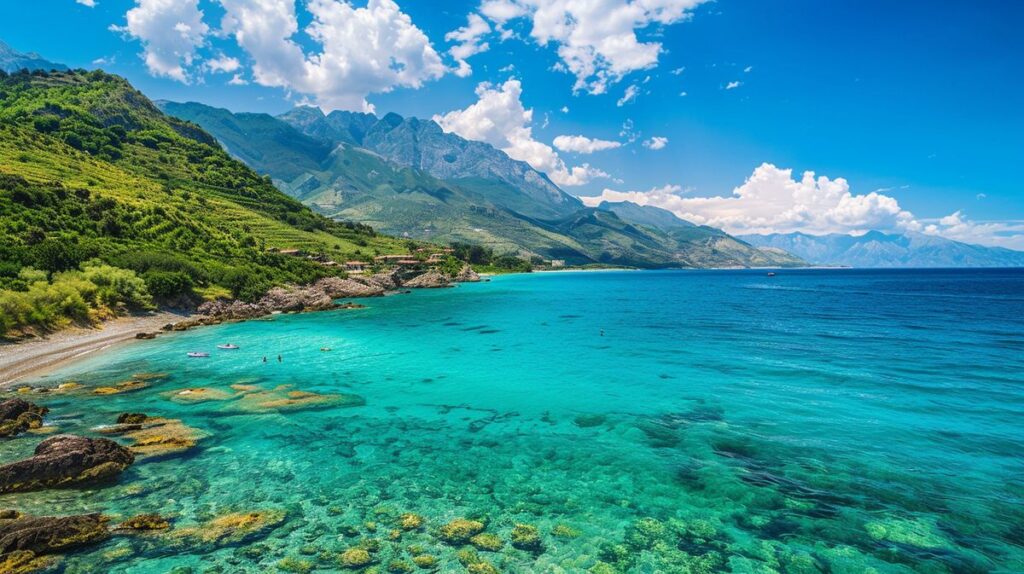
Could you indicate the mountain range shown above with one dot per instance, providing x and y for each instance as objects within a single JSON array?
[
  {"x": 877, "y": 249},
  {"x": 407, "y": 177},
  {"x": 12, "y": 60}
]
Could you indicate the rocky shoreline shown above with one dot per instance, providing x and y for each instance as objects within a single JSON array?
[{"x": 319, "y": 296}]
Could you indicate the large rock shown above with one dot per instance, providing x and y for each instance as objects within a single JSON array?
[
  {"x": 66, "y": 460},
  {"x": 338, "y": 288},
  {"x": 388, "y": 280},
  {"x": 29, "y": 543},
  {"x": 18, "y": 416},
  {"x": 467, "y": 275},
  {"x": 429, "y": 280}
]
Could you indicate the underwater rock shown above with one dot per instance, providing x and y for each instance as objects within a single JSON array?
[
  {"x": 199, "y": 395},
  {"x": 399, "y": 567},
  {"x": 233, "y": 529},
  {"x": 429, "y": 280},
  {"x": 125, "y": 387},
  {"x": 131, "y": 418},
  {"x": 28, "y": 543},
  {"x": 588, "y": 421},
  {"x": 66, "y": 460},
  {"x": 145, "y": 336},
  {"x": 143, "y": 522},
  {"x": 487, "y": 541},
  {"x": 526, "y": 537},
  {"x": 564, "y": 531},
  {"x": 356, "y": 558},
  {"x": 459, "y": 531},
  {"x": 425, "y": 561},
  {"x": 282, "y": 398},
  {"x": 410, "y": 521},
  {"x": 919, "y": 533},
  {"x": 18, "y": 416},
  {"x": 155, "y": 436}
]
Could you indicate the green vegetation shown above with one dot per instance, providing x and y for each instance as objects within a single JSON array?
[{"x": 98, "y": 186}]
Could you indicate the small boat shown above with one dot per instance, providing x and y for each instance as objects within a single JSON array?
[
  {"x": 197, "y": 355},
  {"x": 770, "y": 274},
  {"x": 324, "y": 349},
  {"x": 228, "y": 347}
]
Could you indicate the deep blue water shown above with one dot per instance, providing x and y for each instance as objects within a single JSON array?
[{"x": 687, "y": 421}]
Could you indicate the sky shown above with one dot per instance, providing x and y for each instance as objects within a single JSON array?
[{"x": 752, "y": 116}]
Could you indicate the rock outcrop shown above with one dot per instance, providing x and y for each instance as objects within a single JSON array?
[
  {"x": 29, "y": 543},
  {"x": 429, "y": 280},
  {"x": 338, "y": 288},
  {"x": 18, "y": 416},
  {"x": 66, "y": 460},
  {"x": 467, "y": 275}
]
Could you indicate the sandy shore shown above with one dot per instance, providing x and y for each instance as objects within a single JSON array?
[{"x": 35, "y": 357}]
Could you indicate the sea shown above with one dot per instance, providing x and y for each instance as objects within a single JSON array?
[{"x": 812, "y": 421}]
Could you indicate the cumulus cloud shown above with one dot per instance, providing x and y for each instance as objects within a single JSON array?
[
  {"x": 583, "y": 144},
  {"x": 222, "y": 64},
  {"x": 596, "y": 40},
  {"x": 367, "y": 50},
  {"x": 656, "y": 143},
  {"x": 89, "y": 3},
  {"x": 470, "y": 43},
  {"x": 733, "y": 85},
  {"x": 956, "y": 226},
  {"x": 171, "y": 32},
  {"x": 500, "y": 119},
  {"x": 630, "y": 95},
  {"x": 772, "y": 201}
]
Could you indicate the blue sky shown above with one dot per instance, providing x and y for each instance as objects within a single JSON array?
[{"x": 918, "y": 102}]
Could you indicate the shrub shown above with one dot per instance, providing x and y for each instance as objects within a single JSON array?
[{"x": 168, "y": 284}]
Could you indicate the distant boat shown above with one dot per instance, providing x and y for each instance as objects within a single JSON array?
[
  {"x": 770, "y": 274},
  {"x": 228, "y": 347},
  {"x": 196, "y": 355},
  {"x": 325, "y": 349}
]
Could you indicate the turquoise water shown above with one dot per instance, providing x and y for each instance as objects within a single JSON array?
[{"x": 726, "y": 421}]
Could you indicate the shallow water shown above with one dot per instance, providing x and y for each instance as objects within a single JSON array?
[{"x": 818, "y": 421}]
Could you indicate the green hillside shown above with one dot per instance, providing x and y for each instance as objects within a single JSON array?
[{"x": 92, "y": 172}]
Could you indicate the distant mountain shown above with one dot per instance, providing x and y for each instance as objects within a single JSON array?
[
  {"x": 407, "y": 177},
  {"x": 647, "y": 215},
  {"x": 422, "y": 145},
  {"x": 11, "y": 61},
  {"x": 877, "y": 249}
]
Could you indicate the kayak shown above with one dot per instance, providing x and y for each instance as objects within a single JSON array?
[{"x": 198, "y": 355}]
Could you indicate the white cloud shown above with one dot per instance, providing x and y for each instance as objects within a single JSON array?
[
  {"x": 678, "y": 71},
  {"x": 771, "y": 201},
  {"x": 238, "y": 80},
  {"x": 222, "y": 64},
  {"x": 682, "y": 94},
  {"x": 104, "y": 61},
  {"x": 500, "y": 119},
  {"x": 656, "y": 143},
  {"x": 1008, "y": 234},
  {"x": 596, "y": 39},
  {"x": 89, "y": 3},
  {"x": 565, "y": 109},
  {"x": 469, "y": 42},
  {"x": 583, "y": 144},
  {"x": 748, "y": 69},
  {"x": 733, "y": 85},
  {"x": 630, "y": 95},
  {"x": 171, "y": 32},
  {"x": 364, "y": 50}
]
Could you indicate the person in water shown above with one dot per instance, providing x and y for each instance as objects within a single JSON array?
[
  {"x": 279, "y": 358},
  {"x": 264, "y": 359}
]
